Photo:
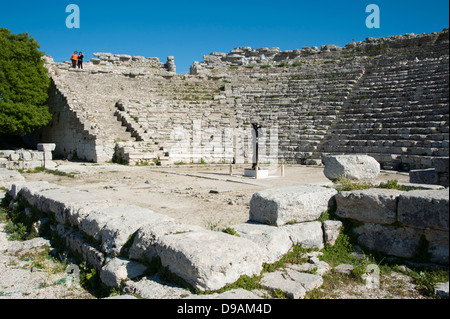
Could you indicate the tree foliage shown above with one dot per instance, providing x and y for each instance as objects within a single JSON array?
[{"x": 24, "y": 85}]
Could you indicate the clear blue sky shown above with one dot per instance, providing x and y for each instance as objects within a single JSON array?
[{"x": 190, "y": 29}]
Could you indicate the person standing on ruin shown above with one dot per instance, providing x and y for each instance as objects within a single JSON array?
[
  {"x": 80, "y": 60},
  {"x": 74, "y": 59}
]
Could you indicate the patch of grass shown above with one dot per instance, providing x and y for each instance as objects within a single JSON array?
[
  {"x": 230, "y": 231},
  {"x": 50, "y": 171},
  {"x": 426, "y": 280},
  {"x": 345, "y": 184},
  {"x": 294, "y": 256}
]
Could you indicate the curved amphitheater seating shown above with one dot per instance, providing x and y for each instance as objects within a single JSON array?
[{"x": 385, "y": 97}]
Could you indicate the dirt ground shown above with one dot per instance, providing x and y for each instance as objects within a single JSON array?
[{"x": 204, "y": 195}]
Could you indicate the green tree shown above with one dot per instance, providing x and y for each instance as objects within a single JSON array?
[{"x": 24, "y": 85}]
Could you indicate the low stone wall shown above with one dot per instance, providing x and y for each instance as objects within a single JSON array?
[
  {"x": 400, "y": 223},
  {"x": 116, "y": 239},
  {"x": 28, "y": 159}
]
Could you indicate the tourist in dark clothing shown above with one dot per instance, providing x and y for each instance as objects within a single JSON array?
[{"x": 80, "y": 60}]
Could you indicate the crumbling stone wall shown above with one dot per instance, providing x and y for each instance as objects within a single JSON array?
[{"x": 23, "y": 159}]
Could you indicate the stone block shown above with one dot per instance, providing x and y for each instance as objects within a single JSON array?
[
  {"x": 295, "y": 284},
  {"x": 75, "y": 241},
  {"x": 274, "y": 242},
  {"x": 331, "y": 231},
  {"x": 93, "y": 256},
  {"x": 354, "y": 167},
  {"x": 369, "y": 205},
  {"x": 400, "y": 242},
  {"x": 154, "y": 288},
  {"x": 424, "y": 209},
  {"x": 209, "y": 260},
  {"x": 120, "y": 269},
  {"x": 291, "y": 204},
  {"x": 148, "y": 237},
  {"x": 62, "y": 201},
  {"x": 441, "y": 164},
  {"x": 123, "y": 222},
  {"x": 424, "y": 176},
  {"x": 438, "y": 246},
  {"x": 308, "y": 235},
  {"x": 29, "y": 191}
]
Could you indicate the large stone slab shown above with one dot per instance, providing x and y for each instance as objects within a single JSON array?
[
  {"x": 308, "y": 235},
  {"x": 424, "y": 209},
  {"x": 209, "y": 260},
  {"x": 369, "y": 205},
  {"x": 63, "y": 201},
  {"x": 354, "y": 167},
  {"x": 280, "y": 206},
  {"x": 274, "y": 242},
  {"x": 29, "y": 189}
]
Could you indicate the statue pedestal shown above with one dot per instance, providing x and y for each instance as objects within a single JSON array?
[{"x": 262, "y": 173}]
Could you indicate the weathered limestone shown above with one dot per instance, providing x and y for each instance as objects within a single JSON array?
[
  {"x": 354, "y": 167},
  {"x": 120, "y": 269},
  {"x": 370, "y": 205},
  {"x": 397, "y": 222},
  {"x": 295, "y": 284},
  {"x": 7, "y": 178},
  {"x": 401, "y": 242},
  {"x": 154, "y": 288},
  {"x": 170, "y": 65},
  {"x": 274, "y": 242},
  {"x": 148, "y": 237},
  {"x": 123, "y": 221},
  {"x": 209, "y": 260},
  {"x": 28, "y": 159},
  {"x": 292, "y": 204},
  {"x": 47, "y": 149},
  {"x": 331, "y": 231},
  {"x": 424, "y": 209},
  {"x": 307, "y": 234}
]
